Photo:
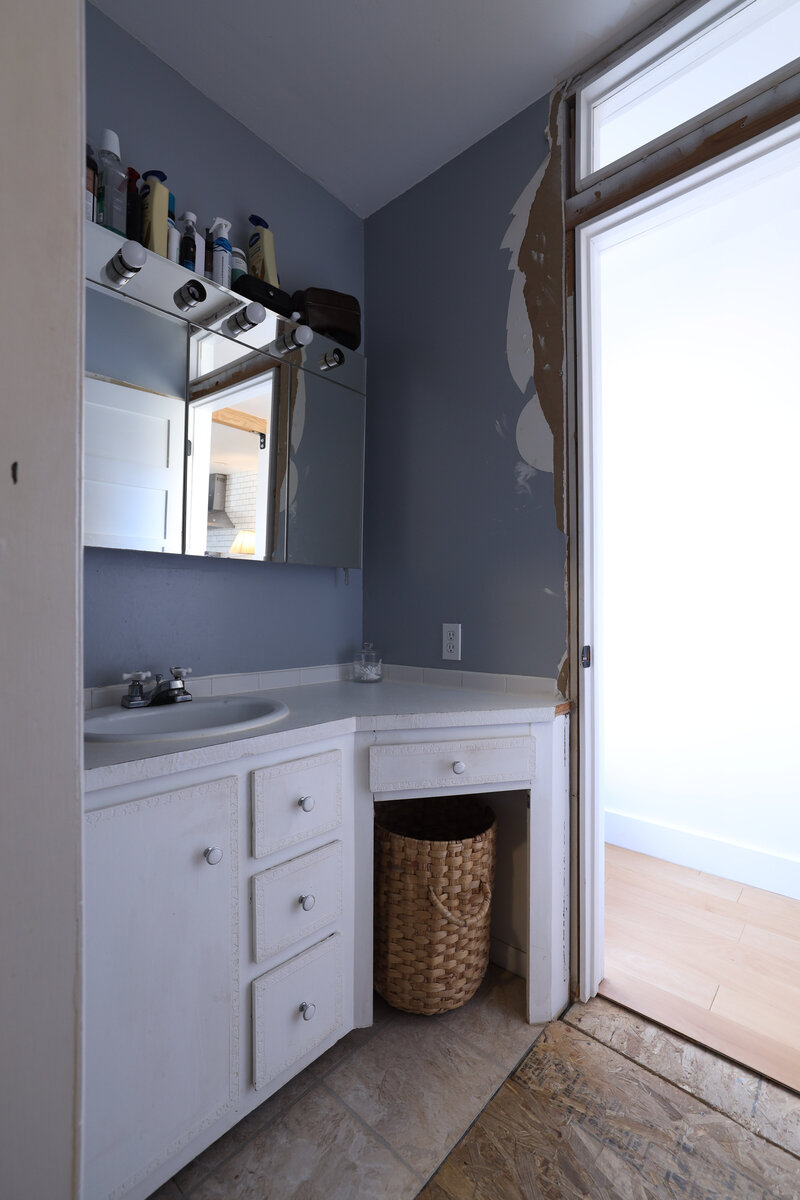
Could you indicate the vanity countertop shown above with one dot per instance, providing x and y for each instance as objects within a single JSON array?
[{"x": 318, "y": 710}]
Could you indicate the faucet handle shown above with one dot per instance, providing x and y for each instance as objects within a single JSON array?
[
  {"x": 136, "y": 676},
  {"x": 180, "y": 672}
]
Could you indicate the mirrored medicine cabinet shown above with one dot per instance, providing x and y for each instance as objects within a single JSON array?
[{"x": 199, "y": 442}]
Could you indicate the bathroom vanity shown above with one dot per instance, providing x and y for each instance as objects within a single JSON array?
[{"x": 229, "y": 898}]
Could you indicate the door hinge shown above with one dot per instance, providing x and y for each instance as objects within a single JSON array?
[
  {"x": 586, "y": 656},
  {"x": 262, "y": 441},
  {"x": 188, "y": 448}
]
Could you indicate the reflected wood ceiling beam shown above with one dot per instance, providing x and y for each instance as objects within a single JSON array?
[{"x": 236, "y": 419}]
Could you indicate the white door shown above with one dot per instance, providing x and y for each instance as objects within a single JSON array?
[
  {"x": 690, "y": 415},
  {"x": 162, "y": 997},
  {"x": 133, "y": 467}
]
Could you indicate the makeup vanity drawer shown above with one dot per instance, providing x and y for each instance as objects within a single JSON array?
[
  {"x": 458, "y": 764},
  {"x": 296, "y": 899},
  {"x": 295, "y": 1007},
  {"x": 296, "y": 800}
]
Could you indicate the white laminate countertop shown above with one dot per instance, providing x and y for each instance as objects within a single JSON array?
[{"x": 316, "y": 711}]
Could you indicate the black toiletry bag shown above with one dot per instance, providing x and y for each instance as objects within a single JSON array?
[
  {"x": 333, "y": 314},
  {"x": 271, "y": 297}
]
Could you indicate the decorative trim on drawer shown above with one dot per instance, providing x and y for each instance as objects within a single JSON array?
[
  {"x": 280, "y": 1035},
  {"x": 270, "y": 932},
  {"x": 433, "y": 764},
  {"x": 277, "y": 820}
]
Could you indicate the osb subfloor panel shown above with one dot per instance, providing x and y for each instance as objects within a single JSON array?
[
  {"x": 713, "y": 959},
  {"x": 376, "y": 1115},
  {"x": 580, "y": 1121}
]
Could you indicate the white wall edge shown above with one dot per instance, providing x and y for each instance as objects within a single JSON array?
[{"x": 755, "y": 868}]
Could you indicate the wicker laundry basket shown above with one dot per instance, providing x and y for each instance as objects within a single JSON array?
[{"x": 434, "y": 874}]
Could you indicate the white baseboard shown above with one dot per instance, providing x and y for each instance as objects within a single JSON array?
[
  {"x": 509, "y": 957},
  {"x": 772, "y": 872}
]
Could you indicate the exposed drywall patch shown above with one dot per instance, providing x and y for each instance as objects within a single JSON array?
[
  {"x": 533, "y": 436},
  {"x": 540, "y": 263}
]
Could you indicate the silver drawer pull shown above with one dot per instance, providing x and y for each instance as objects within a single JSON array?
[
  {"x": 459, "y": 767},
  {"x": 307, "y": 1010},
  {"x": 306, "y": 803},
  {"x": 212, "y": 855},
  {"x": 308, "y": 902}
]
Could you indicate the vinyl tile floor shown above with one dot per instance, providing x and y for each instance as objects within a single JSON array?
[
  {"x": 375, "y": 1115},
  {"x": 478, "y": 1105}
]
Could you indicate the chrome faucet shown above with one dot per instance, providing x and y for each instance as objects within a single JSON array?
[{"x": 165, "y": 691}]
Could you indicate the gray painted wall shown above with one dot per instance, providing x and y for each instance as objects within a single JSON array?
[
  {"x": 451, "y": 533},
  {"x": 217, "y": 616}
]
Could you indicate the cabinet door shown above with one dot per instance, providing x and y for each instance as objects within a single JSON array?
[{"x": 162, "y": 1002}]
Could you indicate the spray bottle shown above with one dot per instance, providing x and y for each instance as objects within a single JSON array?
[{"x": 222, "y": 252}]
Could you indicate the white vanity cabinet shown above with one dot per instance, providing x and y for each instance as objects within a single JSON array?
[
  {"x": 162, "y": 991},
  {"x": 219, "y": 947},
  {"x": 212, "y": 980}
]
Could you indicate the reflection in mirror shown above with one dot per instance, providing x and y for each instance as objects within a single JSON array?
[
  {"x": 232, "y": 431},
  {"x": 134, "y": 416},
  {"x": 326, "y": 472}
]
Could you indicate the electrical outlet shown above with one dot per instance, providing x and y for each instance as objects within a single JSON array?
[{"x": 451, "y": 641}]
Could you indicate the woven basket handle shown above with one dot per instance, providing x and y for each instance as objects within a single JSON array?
[{"x": 454, "y": 918}]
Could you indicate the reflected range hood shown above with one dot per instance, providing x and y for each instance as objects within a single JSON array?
[{"x": 217, "y": 517}]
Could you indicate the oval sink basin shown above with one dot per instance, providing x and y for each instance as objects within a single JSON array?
[{"x": 203, "y": 717}]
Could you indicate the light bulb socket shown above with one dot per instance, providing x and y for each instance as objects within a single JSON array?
[
  {"x": 190, "y": 295},
  {"x": 293, "y": 340},
  {"x": 126, "y": 263},
  {"x": 331, "y": 359},
  {"x": 245, "y": 318}
]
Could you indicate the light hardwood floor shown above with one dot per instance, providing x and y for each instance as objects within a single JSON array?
[{"x": 715, "y": 960}]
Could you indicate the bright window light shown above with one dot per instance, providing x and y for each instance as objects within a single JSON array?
[
  {"x": 696, "y": 403},
  {"x": 712, "y": 54}
]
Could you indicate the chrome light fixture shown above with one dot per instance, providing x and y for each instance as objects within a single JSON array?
[{"x": 126, "y": 263}]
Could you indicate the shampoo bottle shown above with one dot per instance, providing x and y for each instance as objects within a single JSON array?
[
  {"x": 222, "y": 252},
  {"x": 155, "y": 212},
  {"x": 261, "y": 252},
  {"x": 112, "y": 194}
]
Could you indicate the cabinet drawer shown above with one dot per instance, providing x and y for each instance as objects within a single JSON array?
[
  {"x": 295, "y": 1007},
  {"x": 450, "y": 764},
  {"x": 296, "y": 899},
  {"x": 296, "y": 800}
]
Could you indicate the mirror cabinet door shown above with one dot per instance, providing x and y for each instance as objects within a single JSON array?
[
  {"x": 234, "y": 399},
  {"x": 134, "y": 419},
  {"x": 326, "y": 472}
]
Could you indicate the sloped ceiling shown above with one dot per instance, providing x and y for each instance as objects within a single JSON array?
[{"x": 368, "y": 97}]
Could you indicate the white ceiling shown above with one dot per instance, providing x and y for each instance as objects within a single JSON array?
[{"x": 368, "y": 97}]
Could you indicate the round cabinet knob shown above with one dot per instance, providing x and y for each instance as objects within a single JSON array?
[
  {"x": 459, "y": 767},
  {"x": 306, "y": 803},
  {"x": 212, "y": 855},
  {"x": 308, "y": 1010},
  {"x": 308, "y": 902}
]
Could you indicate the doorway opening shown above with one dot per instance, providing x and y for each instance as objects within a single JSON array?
[{"x": 691, "y": 418}]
